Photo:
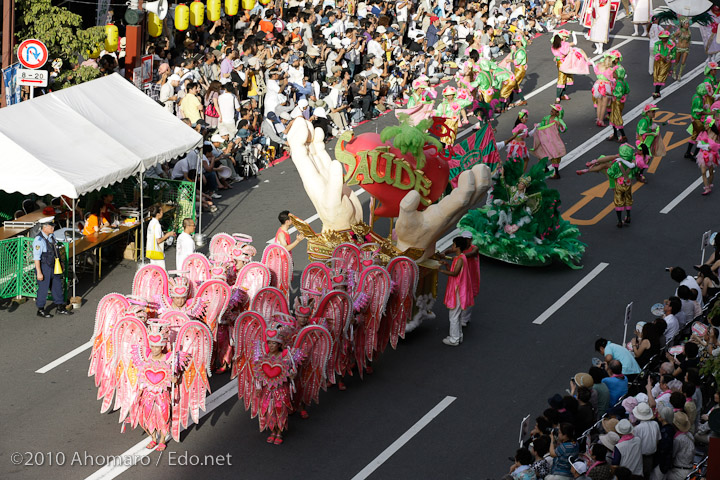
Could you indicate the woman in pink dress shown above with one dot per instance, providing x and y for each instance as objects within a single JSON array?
[
  {"x": 516, "y": 146},
  {"x": 603, "y": 87},
  {"x": 560, "y": 50}
]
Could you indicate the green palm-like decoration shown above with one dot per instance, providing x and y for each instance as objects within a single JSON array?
[{"x": 411, "y": 139}]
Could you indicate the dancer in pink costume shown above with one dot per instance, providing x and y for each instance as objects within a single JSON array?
[
  {"x": 459, "y": 291},
  {"x": 420, "y": 103},
  {"x": 603, "y": 87},
  {"x": 707, "y": 154}
]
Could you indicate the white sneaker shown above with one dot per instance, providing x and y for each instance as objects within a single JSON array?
[
  {"x": 448, "y": 341},
  {"x": 216, "y": 195}
]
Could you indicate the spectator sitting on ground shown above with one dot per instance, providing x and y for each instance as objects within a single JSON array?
[
  {"x": 521, "y": 469},
  {"x": 671, "y": 307},
  {"x": 603, "y": 393},
  {"x": 690, "y": 307},
  {"x": 611, "y": 351},
  {"x": 679, "y": 275},
  {"x": 543, "y": 461},
  {"x": 616, "y": 382},
  {"x": 562, "y": 447}
]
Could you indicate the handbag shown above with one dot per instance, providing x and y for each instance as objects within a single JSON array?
[
  {"x": 155, "y": 255},
  {"x": 211, "y": 111}
]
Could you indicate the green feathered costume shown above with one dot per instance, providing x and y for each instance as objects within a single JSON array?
[{"x": 524, "y": 227}]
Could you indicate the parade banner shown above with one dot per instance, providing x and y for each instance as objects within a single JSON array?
[
  {"x": 10, "y": 80},
  {"x": 477, "y": 148}
]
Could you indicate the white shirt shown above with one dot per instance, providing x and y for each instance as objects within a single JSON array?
[
  {"x": 154, "y": 233},
  {"x": 228, "y": 106},
  {"x": 374, "y": 49},
  {"x": 184, "y": 165},
  {"x": 296, "y": 75},
  {"x": 167, "y": 91},
  {"x": 692, "y": 284},
  {"x": 184, "y": 247},
  {"x": 672, "y": 327},
  {"x": 401, "y": 13},
  {"x": 649, "y": 434}
]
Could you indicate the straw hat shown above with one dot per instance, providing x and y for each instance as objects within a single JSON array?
[
  {"x": 610, "y": 440},
  {"x": 681, "y": 422},
  {"x": 609, "y": 424}
]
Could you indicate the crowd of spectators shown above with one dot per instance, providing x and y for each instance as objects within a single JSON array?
[
  {"x": 242, "y": 79},
  {"x": 644, "y": 410}
]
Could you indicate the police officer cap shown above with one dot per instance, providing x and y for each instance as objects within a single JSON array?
[{"x": 47, "y": 221}]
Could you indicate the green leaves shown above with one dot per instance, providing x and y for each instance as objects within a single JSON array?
[{"x": 60, "y": 30}]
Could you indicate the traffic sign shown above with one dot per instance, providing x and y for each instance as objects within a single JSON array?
[
  {"x": 33, "y": 78},
  {"x": 32, "y": 54}
]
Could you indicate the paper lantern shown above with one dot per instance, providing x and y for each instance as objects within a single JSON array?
[
  {"x": 214, "y": 8},
  {"x": 231, "y": 7},
  {"x": 249, "y": 4},
  {"x": 95, "y": 53},
  {"x": 197, "y": 13},
  {"x": 182, "y": 17},
  {"x": 111, "y": 37},
  {"x": 154, "y": 25}
]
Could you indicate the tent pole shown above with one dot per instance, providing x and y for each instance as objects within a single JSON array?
[
  {"x": 72, "y": 230},
  {"x": 142, "y": 221},
  {"x": 199, "y": 171}
]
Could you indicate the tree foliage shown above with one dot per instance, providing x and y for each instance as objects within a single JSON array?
[{"x": 60, "y": 30}]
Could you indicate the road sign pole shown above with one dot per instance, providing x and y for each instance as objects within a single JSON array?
[{"x": 32, "y": 92}]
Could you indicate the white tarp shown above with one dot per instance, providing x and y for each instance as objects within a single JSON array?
[{"x": 86, "y": 137}]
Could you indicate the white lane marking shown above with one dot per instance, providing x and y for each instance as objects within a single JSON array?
[
  {"x": 406, "y": 437},
  {"x": 628, "y": 117},
  {"x": 570, "y": 293},
  {"x": 693, "y": 186},
  {"x": 135, "y": 453},
  {"x": 65, "y": 357},
  {"x": 311, "y": 219}
]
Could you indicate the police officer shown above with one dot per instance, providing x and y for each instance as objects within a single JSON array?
[{"x": 45, "y": 251}]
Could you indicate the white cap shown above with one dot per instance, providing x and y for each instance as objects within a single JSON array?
[
  {"x": 320, "y": 112},
  {"x": 302, "y": 103},
  {"x": 216, "y": 138},
  {"x": 47, "y": 221},
  {"x": 285, "y": 116},
  {"x": 380, "y": 29},
  {"x": 579, "y": 467},
  {"x": 174, "y": 78}
]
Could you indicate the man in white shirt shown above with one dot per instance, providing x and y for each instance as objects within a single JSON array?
[
  {"x": 184, "y": 165},
  {"x": 648, "y": 431},
  {"x": 229, "y": 105},
  {"x": 374, "y": 48},
  {"x": 185, "y": 243},
  {"x": 671, "y": 308},
  {"x": 168, "y": 97},
  {"x": 679, "y": 275}
]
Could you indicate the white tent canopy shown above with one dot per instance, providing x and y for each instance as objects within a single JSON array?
[{"x": 86, "y": 137}]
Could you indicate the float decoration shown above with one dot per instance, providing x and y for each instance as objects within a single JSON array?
[{"x": 522, "y": 224}]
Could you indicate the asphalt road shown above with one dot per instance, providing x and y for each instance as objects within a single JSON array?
[{"x": 506, "y": 368}]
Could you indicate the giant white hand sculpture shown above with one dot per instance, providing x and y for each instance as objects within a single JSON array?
[
  {"x": 339, "y": 208},
  {"x": 336, "y": 204},
  {"x": 422, "y": 229}
]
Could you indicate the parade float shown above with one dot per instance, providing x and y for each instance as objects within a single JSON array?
[{"x": 406, "y": 171}]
